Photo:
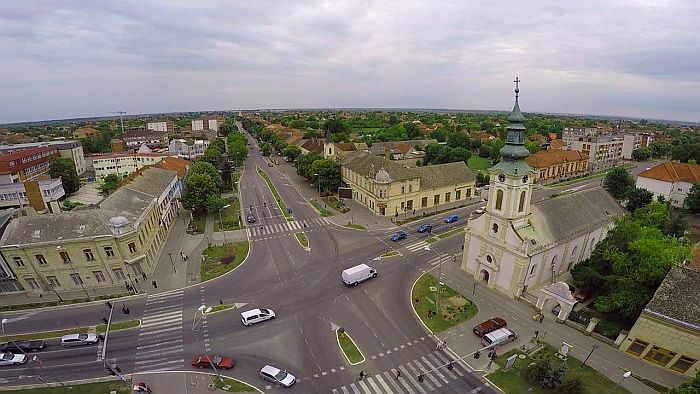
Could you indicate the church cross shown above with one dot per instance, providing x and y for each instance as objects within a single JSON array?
[{"x": 517, "y": 90}]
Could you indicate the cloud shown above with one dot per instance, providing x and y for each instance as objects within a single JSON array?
[{"x": 65, "y": 58}]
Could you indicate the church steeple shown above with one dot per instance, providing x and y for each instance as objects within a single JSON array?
[{"x": 514, "y": 152}]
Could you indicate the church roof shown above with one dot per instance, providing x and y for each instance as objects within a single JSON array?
[{"x": 561, "y": 218}]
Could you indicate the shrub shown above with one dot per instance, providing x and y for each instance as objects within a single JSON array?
[
  {"x": 572, "y": 386},
  {"x": 537, "y": 371}
]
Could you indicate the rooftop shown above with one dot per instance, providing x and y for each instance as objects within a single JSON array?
[
  {"x": 673, "y": 171},
  {"x": 546, "y": 158},
  {"x": 677, "y": 296}
]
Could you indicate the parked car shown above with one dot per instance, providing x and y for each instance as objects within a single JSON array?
[
  {"x": 398, "y": 236},
  {"x": 22, "y": 346},
  {"x": 451, "y": 219},
  {"x": 425, "y": 228},
  {"x": 556, "y": 309},
  {"x": 480, "y": 210},
  {"x": 583, "y": 296},
  {"x": 277, "y": 376},
  {"x": 488, "y": 326},
  {"x": 206, "y": 361},
  {"x": 269, "y": 164},
  {"x": 12, "y": 359},
  {"x": 359, "y": 273},
  {"x": 498, "y": 337},
  {"x": 79, "y": 339},
  {"x": 250, "y": 218},
  {"x": 256, "y": 316}
]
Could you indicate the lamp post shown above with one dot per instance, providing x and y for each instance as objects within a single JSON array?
[
  {"x": 318, "y": 180},
  {"x": 437, "y": 298},
  {"x": 223, "y": 230},
  {"x": 593, "y": 348},
  {"x": 55, "y": 292},
  {"x": 203, "y": 310},
  {"x": 624, "y": 376}
]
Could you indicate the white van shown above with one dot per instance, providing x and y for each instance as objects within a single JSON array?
[
  {"x": 498, "y": 337},
  {"x": 256, "y": 316},
  {"x": 359, "y": 273}
]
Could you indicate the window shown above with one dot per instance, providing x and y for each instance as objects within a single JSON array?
[
  {"x": 53, "y": 281},
  {"x": 40, "y": 259},
  {"x": 660, "y": 356},
  {"x": 18, "y": 261},
  {"x": 521, "y": 204},
  {"x": 109, "y": 251},
  {"x": 683, "y": 364},
  {"x": 637, "y": 347},
  {"x": 132, "y": 247},
  {"x": 65, "y": 257},
  {"x": 119, "y": 273},
  {"x": 499, "y": 199},
  {"x": 489, "y": 259},
  {"x": 410, "y": 188},
  {"x": 99, "y": 276},
  {"x": 469, "y": 193},
  {"x": 448, "y": 197},
  {"x": 403, "y": 189},
  {"x": 495, "y": 228},
  {"x": 88, "y": 254},
  {"x": 32, "y": 283},
  {"x": 77, "y": 280},
  {"x": 592, "y": 244},
  {"x": 424, "y": 202},
  {"x": 532, "y": 270},
  {"x": 436, "y": 199}
]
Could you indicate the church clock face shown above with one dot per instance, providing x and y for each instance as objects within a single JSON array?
[
  {"x": 525, "y": 179},
  {"x": 502, "y": 177}
]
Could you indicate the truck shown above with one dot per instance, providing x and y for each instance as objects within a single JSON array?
[{"x": 359, "y": 273}]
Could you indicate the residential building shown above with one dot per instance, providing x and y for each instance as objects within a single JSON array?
[
  {"x": 107, "y": 247},
  {"x": 556, "y": 164},
  {"x": 667, "y": 333},
  {"x": 397, "y": 150},
  {"x": 124, "y": 163},
  {"x": 40, "y": 194},
  {"x": 69, "y": 149},
  {"x": 27, "y": 164},
  {"x": 672, "y": 180},
  {"x": 604, "y": 150},
  {"x": 208, "y": 123},
  {"x": 313, "y": 145},
  {"x": 153, "y": 139},
  {"x": 188, "y": 148},
  {"x": 557, "y": 143},
  {"x": 117, "y": 145},
  {"x": 85, "y": 132},
  {"x": 161, "y": 125},
  {"x": 389, "y": 189},
  {"x": 520, "y": 248}
]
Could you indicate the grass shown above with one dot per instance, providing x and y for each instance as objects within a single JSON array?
[
  {"x": 477, "y": 163},
  {"x": 197, "y": 224},
  {"x": 303, "y": 241},
  {"x": 124, "y": 325},
  {"x": 273, "y": 190},
  {"x": 389, "y": 254},
  {"x": 232, "y": 385},
  {"x": 658, "y": 387},
  {"x": 355, "y": 226},
  {"x": 230, "y": 216},
  {"x": 335, "y": 204},
  {"x": 65, "y": 302},
  {"x": 234, "y": 181},
  {"x": 350, "y": 350},
  {"x": 217, "y": 260},
  {"x": 454, "y": 307},
  {"x": 221, "y": 308},
  {"x": 514, "y": 381},
  {"x": 444, "y": 235},
  {"x": 87, "y": 388},
  {"x": 323, "y": 211}
]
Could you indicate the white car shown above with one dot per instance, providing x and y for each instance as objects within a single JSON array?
[
  {"x": 480, "y": 210},
  {"x": 12, "y": 359},
  {"x": 256, "y": 316},
  {"x": 277, "y": 376},
  {"x": 79, "y": 339}
]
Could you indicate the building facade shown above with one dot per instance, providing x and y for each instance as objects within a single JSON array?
[
  {"x": 208, "y": 123},
  {"x": 69, "y": 149},
  {"x": 557, "y": 164},
  {"x": 27, "y": 164},
  {"x": 390, "y": 189},
  {"x": 166, "y": 126},
  {"x": 39, "y": 194},
  {"x": 188, "y": 149},
  {"x": 108, "y": 247},
  {"x": 134, "y": 139},
  {"x": 672, "y": 180},
  {"x": 123, "y": 164},
  {"x": 604, "y": 150}
]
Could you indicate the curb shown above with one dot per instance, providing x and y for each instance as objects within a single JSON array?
[
  {"x": 198, "y": 373},
  {"x": 343, "y": 351}
]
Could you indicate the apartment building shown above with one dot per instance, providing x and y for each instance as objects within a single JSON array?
[
  {"x": 188, "y": 148},
  {"x": 39, "y": 194},
  {"x": 604, "y": 150},
  {"x": 557, "y": 164},
  {"x": 208, "y": 123},
  {"x": 107, "y": 247},
  {"x": 69, "y": 149},
  {"x": 124, "y": 163},
  {"x": 134, "y": 139},
  {"x": 27, "y": 164},
  {"x": 161, "y": 125}
]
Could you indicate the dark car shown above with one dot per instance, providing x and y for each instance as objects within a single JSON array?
[
  {"x": 425, "y": 228},
  {"x": 398, "y": 236},
  {"x": 206, "y": 360},
  {"x": 451, "y": 219},
  {"x": 251, "y": 218},
  {"x": 20, "y": 346},
  {"x": 488, "y": 326}
]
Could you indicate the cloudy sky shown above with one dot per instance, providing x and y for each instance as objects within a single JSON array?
[{"x": 64, "y": 58}]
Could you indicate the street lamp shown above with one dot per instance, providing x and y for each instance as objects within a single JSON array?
[
  {"x": 624, "y": 376},
  {"x": 171, "y": 262},
  {"x": 593, "y": 348},
  {"x": 318, "y": 180},
  {"x": 203, "y": 310},
  {"x": 437, "y": 298},
  {"x": 223, "y": 229}
]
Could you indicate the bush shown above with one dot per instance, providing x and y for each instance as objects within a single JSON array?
[
  {"x": 572, "y": 386},
  {"x": 554, "y": 377},
  {"x": 542, "y": 373},
  {"x": 538, "y": 370}
]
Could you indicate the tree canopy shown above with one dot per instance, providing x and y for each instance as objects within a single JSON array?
[
  {"x": 619, "y": 182},
  {"x": 64, "y": 168},
  {"x": 109, "y": 184}
]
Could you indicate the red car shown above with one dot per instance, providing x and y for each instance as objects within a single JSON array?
[
  {"x": 206, "y": 360},
  {"x": 489, "y": 325}
]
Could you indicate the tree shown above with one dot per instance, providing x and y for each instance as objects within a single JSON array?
[
  {"x": 266, "y": 149},
  {"x": 304, "y": 163},
  {"x": 572, "y": 385},
  {"x": 199, "y": 186},
  {"x": 412, "y": 130},
  {"x": 64, "y": 168},
  {"x": 215, "y": 203},
  {"x": 334, "y": 126},
  {"x": 641, "y": 154},
  {"x": 618, "y": 182},
  {"x": 639, "y": 198},
  {"x": 109, "y": 184},
  {"x": 536, "y": 372},
  {"x": 482, "y": 179},
  {"x": 690, "y": 387},
  {"x": 393, "y": 120},
  {"x": 554, "y": 377},
  {"x": 328, "y": 173},
  {"x": 202, "y": 167},
  {"x": 291, "y": 152},
  {"x": 532, "y": 146},
  {"x": 692, "y": 200}
]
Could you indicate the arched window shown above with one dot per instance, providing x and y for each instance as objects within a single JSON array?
[
  {"x": 499, "y": 199},
  {"x": 521, "y": 205}
]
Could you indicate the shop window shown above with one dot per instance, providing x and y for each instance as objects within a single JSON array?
[
  {"x": 683, "y": 364},
  {"x": 660, "y": 356}
]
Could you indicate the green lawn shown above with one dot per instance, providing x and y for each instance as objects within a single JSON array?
[
  {"x": 335, "y": 204},
  {"x": 454, "y": 307},
  {"x": 197, "y": 224},
  {"x": 221, "y": 308},
  {"x": 355, "y": 226},
  {"x": 124, "y": 325},
  {"x": 349, "y": 348},
  {"x": 444, "y": 235},
  {"x": 477, "y": 163},
  {"x": 217, "y": 260},
  {"x": 232, "y": 385},
  {"x": 303, "y": 241},
  {"x": 234, "y": 181},
  {"x": 88, "y": 388},
  {"x": 390, "y": 254},
  {"x": 594, "y": 175},
  {"x": 323, "y": 211},
  {"x": 514, "y": 381},
  {"x": 273, "y": 190},
  {"x": 230, "y": 216}
]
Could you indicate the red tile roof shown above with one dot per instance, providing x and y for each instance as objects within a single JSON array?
[{"x": 674, "y": 171}]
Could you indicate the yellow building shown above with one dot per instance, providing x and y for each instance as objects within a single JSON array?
[
  {"x": 557, "y": 164},
  {"x": 388, "y": 188},
  {"x": 667, "y": 333},
  {"x": 109, "y": 247}
]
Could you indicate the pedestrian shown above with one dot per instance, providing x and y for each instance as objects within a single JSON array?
[
  {"x": 362, "y": 375},
  {"x": 444, "y": 343},
  {"x": 154, "y": 284},
  {"x": 398, "y": 374},
  {"x": 437, "y": 347},
  {"x": 187, "y": 257},
  {"x": 143, "y": 275},
  {"x": 541, "y": 317}
]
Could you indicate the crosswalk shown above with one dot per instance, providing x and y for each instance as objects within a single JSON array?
[
  {"x": 160, "y": 338},
  {"x": 417, "y": 247},
  {"x": 407, "y": 381},
  {"x": 275, "y": 228}
]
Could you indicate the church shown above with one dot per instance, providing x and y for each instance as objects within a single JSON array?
[{"x": 520, "y": 244}]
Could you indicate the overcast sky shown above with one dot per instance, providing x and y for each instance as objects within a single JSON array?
[{"x": 63, "y": 59}]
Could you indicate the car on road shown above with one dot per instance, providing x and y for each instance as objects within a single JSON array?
[
  {"x": 250, "y": 218},
  {"x": 269, "y": 164},
  {"x": 398, "y": 236},
  {"x": 79, "y": 339},
  {"x": 277, "y": 376},
  {"x": 256, "y": 316},
  {"x": 425, "y": 228},
  {"x": 488, "y": 326},
  {"x": 206, "y": 361},
  {"x": 498, "y": 337},
  {"x": 480, "y": 210},
  {"x": 451, "y": 219},
  {"x": 12, "y": 359},
  {"x": 22, "y": 346}
]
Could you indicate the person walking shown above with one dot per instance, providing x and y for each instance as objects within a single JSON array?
[
  {"x": 398, "y": 374},
  {"x": 143, "y": 275},
  {"x": 155, "y": 285},
  {"x": 362, "y": 375}
]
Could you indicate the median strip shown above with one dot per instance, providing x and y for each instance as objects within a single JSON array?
[
  {"x": 303, "y": 241},
  {"x": 350, "y": 350},
  {"x": 389, "y": 254},
  {"x": 275, "y": 194},
  {"x": 124, "y": 325},
  {"x": 444, "y": 235}
]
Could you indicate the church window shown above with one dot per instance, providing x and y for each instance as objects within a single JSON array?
[
  {"x": 495, "y": 228},
  {"x": 592, "y": 244},
  {"x": 489, "y": 259},
  {"x": 410, "y": 188},
  {"x": 573, "y": 252},
  {"x": 502, "y": 177},
  {"x": 403, "y": 189},
  {"x": 521, "y": 205},
  {"x": 499, "y": 199}
]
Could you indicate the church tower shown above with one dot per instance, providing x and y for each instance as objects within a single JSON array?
[
  {"x": 328, "y": 146},
  {"x": 510, "y": 187}
]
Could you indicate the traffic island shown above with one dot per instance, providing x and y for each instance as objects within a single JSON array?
[
  {"x": 392, "y": 253},
  {"x": 303, "y": 241},
  {"x": 444, "y": 235},
  {"x": 124, "y": 325},
  {"x": 576, "y": 378},
  {"x": 283, "y": 207},
  {"x": 321, "y": 210},
  {"x": 350, "y": 350},
  {"x": 220, "y": 259},
  {"x": 231, "y": 385},
  {"x": 453, "y": 307},
  {"x": 220, "y": 308}
]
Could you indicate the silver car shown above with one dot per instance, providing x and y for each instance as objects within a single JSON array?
[
  {"x": 12, "y": 359},
  {"x": 79, "y": 339},
  {"x": 277, "y": 376}
]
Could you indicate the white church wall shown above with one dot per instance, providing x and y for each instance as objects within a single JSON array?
[
  {"x": 506, "y": 270},
  {"x": 534, "y": 270},
  {"x": 474, "y": 248}
]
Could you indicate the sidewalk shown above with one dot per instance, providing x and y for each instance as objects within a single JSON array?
[{"x": 606, "y": 359}]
